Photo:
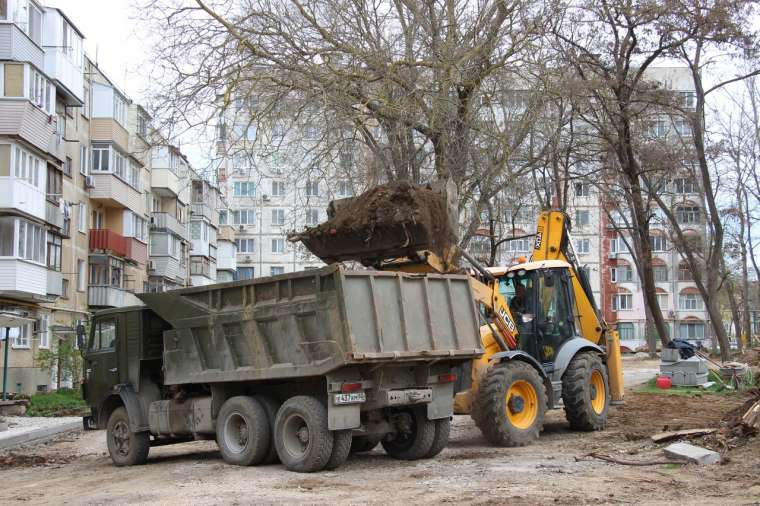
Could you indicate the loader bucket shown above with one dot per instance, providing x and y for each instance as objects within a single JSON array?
[{"x": 387, "y": 221}]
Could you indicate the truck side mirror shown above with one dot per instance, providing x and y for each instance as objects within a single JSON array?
[{"x": 80, "y": 336}]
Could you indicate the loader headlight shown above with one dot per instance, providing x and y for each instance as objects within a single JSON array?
[{"x": 527, "y": 317}]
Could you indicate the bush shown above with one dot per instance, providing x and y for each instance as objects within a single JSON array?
[{"x": 63, "y": 402}]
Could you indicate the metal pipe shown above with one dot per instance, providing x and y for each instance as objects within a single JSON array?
[{"x": 5, "y": 363}]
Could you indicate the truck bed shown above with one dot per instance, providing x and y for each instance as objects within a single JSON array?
[{"x": 310, "y": 323}]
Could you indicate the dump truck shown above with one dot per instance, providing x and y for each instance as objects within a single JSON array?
[
  {"x": 302, "y": 368},
  {"x": 546, "y": 343}
]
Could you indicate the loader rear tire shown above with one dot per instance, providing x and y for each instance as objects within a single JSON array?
[
  {"x": 341, "y": 448},
  {"x": 441, "y": 438},
  {"x": 126, "y": 448},
  {"x": 361, "y": 444},
  {"x": 303, "y": 440},
  {"x": 511, "y": 404},
  {"x": 415, "y": 436},
  {"x": 270, "y": 406},
  {"x": 242, "y": 431},
  {"x": 585, "y": 392}
]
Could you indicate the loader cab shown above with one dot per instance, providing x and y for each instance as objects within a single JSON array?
[{"x": 540, "y": 297}]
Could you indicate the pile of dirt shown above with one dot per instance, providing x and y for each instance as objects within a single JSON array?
[
  {"x": 388, "y": 220},
  {"x": 13, "y": 459}
]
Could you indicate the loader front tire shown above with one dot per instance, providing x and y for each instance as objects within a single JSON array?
[
  {"x": 511, "y": 404},
  {"x": 585, "y": 392}
]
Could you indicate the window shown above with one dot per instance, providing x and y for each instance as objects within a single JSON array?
[
  {"x": 54, "y": 184},
  {"x": 195, "y": 230},
  {"x": 42, "y": 332},
  {"x": 54, "y": 248},
  {"x": 67, "y": 166},
  {"x": 142, "y": 125},
  {"x": 278, "y": 188},
  {"x": 222, "y": 216},
  {"x": 582, "y": 217},
  {"x": 245, "y": 273},
  {"x": 278, "y": 216},
  {"x": 82, "y": 217},
  {"x": 582, "y": 189},
  {"x": 582, "y": 246},
  {"x": 276, "y": 270},
  {"x": 658, "y": 129},
  {"x": 27, "y": 167},
  {"x": 64, "y": 288},
  {"x": 682, "y": 127},
  {"x": 31, "y": 242},
  {"x": 104, "y": 335},
  {"x": 658, "y": 243},
  {"x": 100, "y": 158},
  {"x": 312, "y": 188},
  {"x": 662, "y": 301},
  {"x": 120, "y": 110},
  {"x": 626, "y": 331},
  {"x": 621, "y": 274},
  {"x": 3, "y": 9},
  {"x": 278, "y": 132},
  {"x": 244, "y": 217},
  {"x": 346, "y": 159},
  {"x": 684, "y": 273},
  {"x": 21, "y": 337},
  {"x": 135, "y": 226},
  {"x": 81, "y": 279},
  {"x": 690, "y": 302},
  {"x": 519, "y": 245},
  {"x": 244, "y": 189},
  {"x": 688, "y": 99},
  {"x": 312, "y": 216},
  {"x": 691, "y": 330},
  {"x": 278, "y": 245},
  {"x": 83, "y": 159},
  {"x": 245, "y": 245},
  {"x": 660, "y": 273},
  {"x": 687, "y": 214},
  {"x": 682, "y": 185},
  {"x": 310, "y": 132},
  {"x": 345, "y": 189},
  {"x": 622, "y": 301}
]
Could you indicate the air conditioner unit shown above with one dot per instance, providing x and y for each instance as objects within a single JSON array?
[
  {"x": 241, "y": 227},
  {"x": 89, "y": 182},
  {"x": 248, "y": 258},
  {"x": 265, "y": 197}
]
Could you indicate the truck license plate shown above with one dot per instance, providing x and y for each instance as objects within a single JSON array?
[{"x": 350, "y": 398}]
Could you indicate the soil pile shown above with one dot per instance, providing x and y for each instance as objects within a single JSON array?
[{"x": 389, "y": 220}]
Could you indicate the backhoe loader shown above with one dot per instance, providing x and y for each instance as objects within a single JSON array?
[{"x": 546, "y": 344}]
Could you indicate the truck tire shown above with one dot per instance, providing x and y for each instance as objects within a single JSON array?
[
  {"x": 585, "y": 392},
  {"x": 341, "y": 448},
  {"x": 126, "y": 448},
  {"x": 242, "y": 431},
  {"x": 441, "y": 438},
  {"x": 511, "y": 404},
  {"x": 304, "y": 444},
  {"x": 414, "y": 436},
  {"x": 270, "y": 406},
  {"x": 361, "y": 444}
]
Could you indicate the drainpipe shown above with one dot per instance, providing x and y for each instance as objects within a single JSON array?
[{"x": 5, "y": 363}]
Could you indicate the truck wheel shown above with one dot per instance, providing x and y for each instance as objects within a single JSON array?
[
  {"x": 341, "y": 448},
  {"x": 585, "y": 392},
  {"x": 414, "y": 436},
  {"x": 126, "y": 448},
  {"x": 242, "y": 431},
  {"x": 361, "y": 444},
  {"x": 511, "y": 404},
  {"x": 441, "y": 438},
  {"x": 270, "y": 406},
  {"x": 303, "y": 441}
]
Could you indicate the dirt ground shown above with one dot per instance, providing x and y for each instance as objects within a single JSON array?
[{"x": 75, "y": 469}]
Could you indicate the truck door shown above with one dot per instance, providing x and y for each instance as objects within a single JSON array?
[{"x": 101, "y": 365}]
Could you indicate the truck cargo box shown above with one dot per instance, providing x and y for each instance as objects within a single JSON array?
[{"x": 313, "y": 322}]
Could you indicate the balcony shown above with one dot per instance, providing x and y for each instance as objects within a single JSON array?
[
  {"x": 165, "y": 182},
  {"x": 199, "y": 210},
  {"x": 21, "y": 196},
  {"x": 168, "y": 222},
  {"x": 54, "y": 214},
  {"x": 22, "y": 279},
  {"x": 226, "y": 259},
  {"x": 109, "y": 130},
  {"x": 19, "y": 118},
  {"x": 16, "y": 45},
  {"x": 112, "y": 191},
  {"x": 69, "y": 78},
  {"x": 110, "y": 296},
  {"x": 226, "y": 233},
  {"x": 138, "y": 251},
  {"x": 106, "y": 240},
  {"x": 168, "y": 267},
  {"x": 54, "y": 283}
]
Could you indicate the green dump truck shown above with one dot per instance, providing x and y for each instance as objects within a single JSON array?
[{"x": 302, "y": 368}]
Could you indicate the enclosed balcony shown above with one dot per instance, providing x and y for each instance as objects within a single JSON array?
[
  {"x": 166, "y": 221},
  {"x": 20, "y": 118},
  {"x": 201, "y": 210},
  {"x": 64, "y": 56},
  {"x": 17, "y": 45},
  {"x": 54, "y": 283},
  {"x": 113, "y": 191},
  {"x": 23, "y": 279},
  {"x": 54, "y": 214},
  {"x": 109, "y": 296},
  {"x": 168, "y": 267},
  {"x": 20, "y": 195},
  {"x": 108, "y": 241},
  {"x": 165, "y": 182}
]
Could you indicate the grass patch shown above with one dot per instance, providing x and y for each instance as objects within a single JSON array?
[
  {"x": 650, "y": 387},
  {"x": 64, "y": 402}
]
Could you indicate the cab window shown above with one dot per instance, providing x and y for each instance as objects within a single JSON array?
[{"x": 104, "y": 335}]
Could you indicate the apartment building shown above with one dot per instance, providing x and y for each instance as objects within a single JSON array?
[{"x": 41, "y": 251}]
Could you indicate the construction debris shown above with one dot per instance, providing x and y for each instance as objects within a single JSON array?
[
  {"x": 14, "y": 459},
  {"x": 670, "y": 435},
  {"x": 751, "y": 417},
  {"x": 614, "y": 460},
  {"x": 692, "y": 453}
]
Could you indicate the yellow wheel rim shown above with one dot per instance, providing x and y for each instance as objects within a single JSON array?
[
  {"x": 599, "y": 400},
  {"x": 522, "y": 404}
]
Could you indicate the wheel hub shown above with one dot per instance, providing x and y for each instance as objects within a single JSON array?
[
  {"x": 303, "y": 435},
  {"x": 121, "y": 438},
  {"x": 516, "y": 404},
  {"x": 592, "y": 392}
]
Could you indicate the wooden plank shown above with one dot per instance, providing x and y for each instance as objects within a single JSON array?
[{"x": 667, "y": 436}]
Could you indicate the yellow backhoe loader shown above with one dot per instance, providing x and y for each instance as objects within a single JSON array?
[{"x": 546, "y": 343}]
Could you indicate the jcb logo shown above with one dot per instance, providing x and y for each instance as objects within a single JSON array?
[
  {"x": 508, "y": 320},
  {"x": 539, "y": 235}
]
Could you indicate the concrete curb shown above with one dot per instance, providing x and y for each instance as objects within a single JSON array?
[{"x": 39, "y": 435}]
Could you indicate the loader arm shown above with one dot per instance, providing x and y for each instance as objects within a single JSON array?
[{"x": 554, "y": 242}]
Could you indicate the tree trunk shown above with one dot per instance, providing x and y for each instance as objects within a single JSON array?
[{"x": 736, "y": 320}]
